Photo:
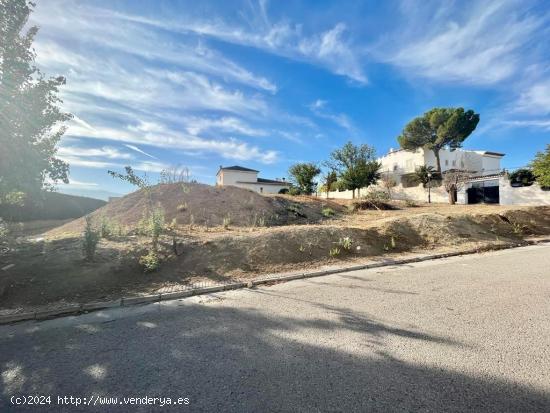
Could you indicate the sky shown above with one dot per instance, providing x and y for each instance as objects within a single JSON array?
[{"x": 267, "y": 84}]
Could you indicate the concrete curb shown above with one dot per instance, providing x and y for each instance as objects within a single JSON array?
[{"x": 130, "y": 301}]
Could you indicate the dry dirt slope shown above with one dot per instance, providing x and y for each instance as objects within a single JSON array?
[
  {"x": 209, "y": 205},
  {"x": 50, "y": 271}
]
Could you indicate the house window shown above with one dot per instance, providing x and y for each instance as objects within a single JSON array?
[
  {"x": 462, "y": 164},
  {"x": 409, "y": 165},
  {"x": 454, "y": 163},
  {"x": 261, "y": 190},
  {"x": 395, "y": 167},
  {"x": 446, "y": 162}
]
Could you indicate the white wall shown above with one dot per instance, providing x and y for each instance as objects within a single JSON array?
[
  {"x": 407, "y": 161},
  {"x": 415, "y": 193},
  {"x": 523, "y": 195},
  {"x": 491, "y": 165},
  {"x": 228, "y": 177},
  {"x": 262, "y": 188}
]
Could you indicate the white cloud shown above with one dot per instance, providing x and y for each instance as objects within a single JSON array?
[
  {"x": 196, "y": 125},
  {"x": 483, "y": 44},
  {"x": 102, "y": 28},
  {"x": 530, "y": 123},
  {"x": 103, "y": 152},
  {"x": 135, "y": 148},
  {"x": 329, "y": 49},
  {"x": 118, "y": 91},
  {"x": 341, "y": 119},
  {"x": 536, "y": 99},
  {"x": 162, "y": 136}
]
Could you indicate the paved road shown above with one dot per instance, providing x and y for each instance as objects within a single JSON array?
[{"x": 462, "y": 334}]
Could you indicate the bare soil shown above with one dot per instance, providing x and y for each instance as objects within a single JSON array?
[{"x": 50, "y": 270}]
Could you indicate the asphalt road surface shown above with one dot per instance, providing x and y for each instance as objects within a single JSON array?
[{"x": 462, "y": 334}]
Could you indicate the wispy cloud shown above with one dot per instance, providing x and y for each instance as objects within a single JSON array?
[
  {"x": 319, "y": 108},
  {"x": 197, "y": 125},
  {"x": 482, "y": 44},
  {"x": 536, "y": 99},
  {"x": 130, "y": 83},
  {"x": 136, "y": 149},
  {"x": 329, "y": 48}
]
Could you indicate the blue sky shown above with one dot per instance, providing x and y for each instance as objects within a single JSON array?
[{"x": 266, "y": 84}]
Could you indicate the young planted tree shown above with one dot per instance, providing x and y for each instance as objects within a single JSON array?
[
  {"x": 302, "y": 175},
  {"x": 541, "y": 167},
  {"x": 356, "y": 165},
  {"x": 31, "y": 122},
  {"x": 437, "y": 129},
  {"x": 329, "y": 181},
  {"x": 453, "y": 182}
]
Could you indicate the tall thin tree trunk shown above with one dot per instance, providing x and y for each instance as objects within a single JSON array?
[{"x": 437, "y": 160}]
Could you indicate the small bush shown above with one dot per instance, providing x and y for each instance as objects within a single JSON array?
[
  {"x": 294, "y": 191},
  {"x": 90, "y": 239},
  {"x": 334, "y": 252},
  {"x": 376, "y": 195},
  {"x": 226, "y": 222},
  {"x": 409, "y": 203},
  {"x": 152, "y": 224},
  {"x": 346, "y": 243},
  {"x": 109, "y": 228},
  {"x": 182, "y": 207},
  {"x": 328, "y": 212},
  {"x": 150, "y": 262},
  {"x": 283, "y": 191}
]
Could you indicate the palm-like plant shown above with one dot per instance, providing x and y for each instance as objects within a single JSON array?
[{"x": 424, "y": 173}]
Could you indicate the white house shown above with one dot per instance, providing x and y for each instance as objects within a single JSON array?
[
  {"x": 248, "y": 179},
  {"x": 401, "y": 162}
]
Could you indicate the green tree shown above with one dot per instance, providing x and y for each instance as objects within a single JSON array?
[
  {"x": 303, "y": 174},
  {"x": 437, "y": 129},
  {"x": 421, "y": 174},
  {"x": 31, "y": 122},
  {"x": 356, "y": 165},
  {"x": 522, "y": 176},
  {"x": 131, "y": 177},
  {"x": 329, "y": 181},
  {"x": 541, "y": 167}
]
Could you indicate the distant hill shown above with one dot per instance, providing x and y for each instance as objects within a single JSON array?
[{"x": 52, "y": 205}]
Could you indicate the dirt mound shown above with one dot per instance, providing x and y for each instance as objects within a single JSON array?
[
  {"x": 278, "y": 249},
  {"x": 209, "y": 206},
  {"x": 53, "y": 270}
]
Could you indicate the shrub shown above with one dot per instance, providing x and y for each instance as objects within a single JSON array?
[
  {"x": 109, "y": 228},
  {"x": 410, "y": 203},
  {"x": 294, "y": 191},
  {"x": 377, "y": 195},
  {"x": 150, "y": 262},
  {"x": 346, "y": 243},
  {"x": 522, "y": 177},
  {"x": 328, "y": 212},
  {"x": 374, "y": 199},
  {"x": 283, "y": 191},
  {"x": 334, "y": 252},
  {"x": 152, "y": 225},
  {"x": 226, "y": 222},
  {"x": 90, "y": 239}
]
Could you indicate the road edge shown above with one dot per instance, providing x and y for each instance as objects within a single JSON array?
[{"x": 77, "y": 309}]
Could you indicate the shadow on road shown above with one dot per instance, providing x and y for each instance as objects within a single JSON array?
[{"x": 226, "y": 359}]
